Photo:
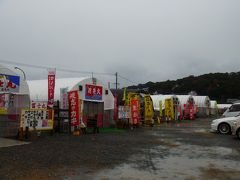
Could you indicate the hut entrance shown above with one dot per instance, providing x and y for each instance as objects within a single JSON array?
[{"x": 93, "y": 113}]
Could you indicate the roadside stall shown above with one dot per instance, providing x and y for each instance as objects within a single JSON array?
[
  {"x": 94, "y": 100},
  {"x": 165, "y": 106},
  {"x": 203, "y": 106},
  {"x": 14, "y": 95},
  {"x": 186, "y": 107}
]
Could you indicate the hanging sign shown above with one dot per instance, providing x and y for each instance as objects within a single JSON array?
[
  {"x": 38, "y": 105},
  {"x": 135, "y": 111},
  {"x": 93, "y": 92},
  {"x": 37, "y": 119},
  {"x": 73, "y": 101},
  {"x": 9, "y": 83},
  {"x": 51, "y": 86},
  {"x": 148, "y": 108}
]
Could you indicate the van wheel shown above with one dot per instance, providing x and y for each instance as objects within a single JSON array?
[
  {"x": 238, "y": 133},
  {"x": 224, "y": 128}
]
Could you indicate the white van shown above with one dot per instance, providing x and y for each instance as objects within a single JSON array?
[{"x": 234, "y": 110}]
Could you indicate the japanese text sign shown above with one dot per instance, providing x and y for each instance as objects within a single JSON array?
[
  {"x": 135, "y": 111},
  {"x": 93, "y": 92},
  {"x": 37, "y": 119},
  {"x": 51, "y": 86},
  {"x": 73, "y": 102}
]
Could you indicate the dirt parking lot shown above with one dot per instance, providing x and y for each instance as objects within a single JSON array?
[{"x": 185, "y": 150}]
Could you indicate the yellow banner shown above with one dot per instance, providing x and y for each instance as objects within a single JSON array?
[
  {"x": 3, "y": 111},
  {"x": 160, "y": 108},
  {"x": 148, "y": 106},
  {"x": 169, "y": 112}
]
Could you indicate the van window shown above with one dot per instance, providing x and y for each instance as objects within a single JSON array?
[{"x": 234, "y": 108}]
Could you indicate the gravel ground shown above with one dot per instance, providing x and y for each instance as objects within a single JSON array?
[{"x": 184, "y": 150}]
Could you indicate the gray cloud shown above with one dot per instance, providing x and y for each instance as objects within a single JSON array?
[{"x": 143, "y": 40}]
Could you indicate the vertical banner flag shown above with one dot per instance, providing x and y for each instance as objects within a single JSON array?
[
  {"x": 51, "y": 86},
  {"x": 169, "y": 112},
  {"x": 135, "y": 111},
  {"x": 191, "y": 112},
  {"x": 160, "y": 108},
  {"x": 73, "y": 107},
  {"x": 115, "y": 108},
  {"x": 148, "y": 108},
  {"x": 64, "y": 101}
]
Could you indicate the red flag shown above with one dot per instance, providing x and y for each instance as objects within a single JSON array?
[
  {"x": 74, "y": 107},
  {"x": 51, "y": 87}
]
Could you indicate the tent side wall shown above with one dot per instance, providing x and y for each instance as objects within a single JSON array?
[{"x": 203, "y": 104}]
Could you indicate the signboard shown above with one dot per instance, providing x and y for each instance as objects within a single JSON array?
[
  {"x": 37, "y": 119},
  {"x": 64, "y": 101},
  {"x": 51, "y": 86},
  {"x": 148, "y": 105},
  {"x": 38, "y": 105},
  {"x": 4, "y": 103},
  {"x": 73, "y": 101},
  {"x": 124, "y": 112},
  {"x": 93, "y": 92},
  {"x": 9, "y": 83},
  {"x": 135, "y": 111}
]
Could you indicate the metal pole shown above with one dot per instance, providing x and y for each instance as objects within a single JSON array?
[{"x": 21, "y": 71}]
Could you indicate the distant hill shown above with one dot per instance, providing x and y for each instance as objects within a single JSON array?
[{"x": 218, "y": 86}]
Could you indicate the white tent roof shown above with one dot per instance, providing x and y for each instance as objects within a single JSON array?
[
  {"x": 160, "y": 97},
  {"x": 23, "y": 89},
  {"x": 39, "y": 89},
  {"x": 184, "y": 99},
  {"x": 202, "y": 101}
]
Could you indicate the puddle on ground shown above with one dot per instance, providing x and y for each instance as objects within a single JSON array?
[{"x": 167, "y": 161}]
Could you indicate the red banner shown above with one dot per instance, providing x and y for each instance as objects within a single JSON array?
[
  {"x": 73, "y": 107},
  {"x": 93, "y": 92},
  {"x": 135, "y": 111},
  {"x": 191, "y": 112},
  {"x": 51, "y": 87},
  {"x": 115, "y": 108}
]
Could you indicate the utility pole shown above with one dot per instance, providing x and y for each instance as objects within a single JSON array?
[{"x": 116, "y": 81}]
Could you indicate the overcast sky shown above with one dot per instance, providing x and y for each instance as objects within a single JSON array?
[{"x": 143, "y": 40}]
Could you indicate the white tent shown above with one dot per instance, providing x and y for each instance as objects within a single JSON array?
[
  {"x": 185, "y": 99},
  {"x": 39, "y": 89},
  {"x": 160, "y": 97},
  {"x": 203, "y": 104}
]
